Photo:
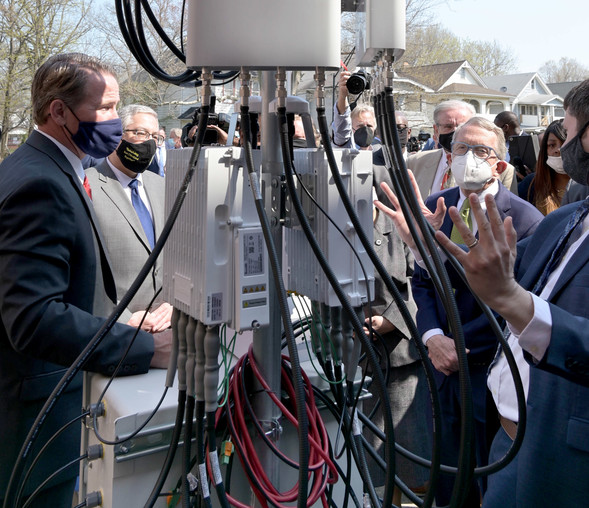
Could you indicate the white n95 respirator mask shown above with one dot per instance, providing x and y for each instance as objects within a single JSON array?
[{"x": 470, "y": 172}]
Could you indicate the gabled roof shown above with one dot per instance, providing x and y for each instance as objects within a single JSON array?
[
  {"x": 510, "y": 83},
  {"x": 562, "y": 88},
  {"x": 434, "y": 76},
  {"x": 540, "y": 99},
  {"x": 463, "y": 88}
]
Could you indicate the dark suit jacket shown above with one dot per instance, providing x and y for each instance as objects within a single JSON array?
[
  {"x": 123, "y": 234},
  {"x": 575, "y": 192},
  {"x": 553, "y": 464},
  {"x": 430, "y": 311},
  {"x": 48, "y": 283}
]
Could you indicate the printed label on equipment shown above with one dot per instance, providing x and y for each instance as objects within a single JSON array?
[
  {"x": 215, "y": 306},
  {"x": 254, "y": 288},
  {"x": 258, "y": 302},
  {"x": 253, "y": 254}
]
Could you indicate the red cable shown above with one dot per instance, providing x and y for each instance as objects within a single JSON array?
[{"x": 322, "y": 470}]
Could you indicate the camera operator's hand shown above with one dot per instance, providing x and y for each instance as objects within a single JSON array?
[
  {"x": 221, "y": 134},
  {"x": 342, "y": 98}
]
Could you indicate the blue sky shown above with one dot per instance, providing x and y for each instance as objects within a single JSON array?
[{"x": 533, "y": 30}]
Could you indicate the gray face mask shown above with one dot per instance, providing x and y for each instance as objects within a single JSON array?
[{"x": 575, "y": 159}]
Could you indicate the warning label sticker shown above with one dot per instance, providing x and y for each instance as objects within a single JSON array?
[{"x": 253, "y": 254}]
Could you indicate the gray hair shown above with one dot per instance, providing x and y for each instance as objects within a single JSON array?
[
  {"x": 127, "y": 113},
  {"x": 483, "y": 123},
  {"x": 453, "y": 105},
  {"x": 362, "y": 108}
]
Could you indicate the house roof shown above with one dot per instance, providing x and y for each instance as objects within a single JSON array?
[
  {"x": 562, "y": 88},
  {"x": 464, "y": 88},
  {"x": 513, "y": 83},
  {"x": 434, "y": 76},
  {"x": 539, "y": 99}
]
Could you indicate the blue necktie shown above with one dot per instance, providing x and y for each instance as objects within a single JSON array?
[
  {"x": 570, "y": 234},
  {"x": 142, "y": 212}
]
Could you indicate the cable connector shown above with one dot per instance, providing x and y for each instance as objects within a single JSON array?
[
  {"x": 281, "y": 93},
  {"x": 97, "y": 410},
  {"x": 206, "y": 77},
  {"x": 244, "y": 89},
  {"x": 95, "y": 451},
  {"x": 388, "y": 73},
  {"x": 192, "y": 482},
  {"x": 94, "y": 499},
  {"x": 227, "y": 449},
  {"x": 320, "y": 89}
]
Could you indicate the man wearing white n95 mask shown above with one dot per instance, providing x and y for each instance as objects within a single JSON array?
[{"x": 477, "y": 161}]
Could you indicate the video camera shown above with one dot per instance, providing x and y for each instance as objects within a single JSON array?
[
  {"x": 423, "y": 136},
  {"x": 221, "y": 120},
  {"x": 413, "y": 145}
]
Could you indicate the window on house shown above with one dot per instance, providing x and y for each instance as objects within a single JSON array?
[{"x": 528, "y": 109}]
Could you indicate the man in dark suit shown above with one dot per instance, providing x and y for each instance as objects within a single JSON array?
[
  {"x": 125, "y": 238},
  {"x": 477, "y": 152},
  {"x": 545, "y": 306},
  {"x": 55, "y": 277}
]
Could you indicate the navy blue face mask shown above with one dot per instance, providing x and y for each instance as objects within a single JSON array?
[{"x": 97, "y": 139}]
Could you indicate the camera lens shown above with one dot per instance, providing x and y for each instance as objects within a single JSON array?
[{"x": 356, "y": 83}]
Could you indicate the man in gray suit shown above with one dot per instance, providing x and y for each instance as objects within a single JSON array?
[
  {"x": 129, "y": 205},
  {"x": 432, "y": 167}
]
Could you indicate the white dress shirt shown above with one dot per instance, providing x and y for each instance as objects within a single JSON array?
[
  {"x": 125, "y": 180},
  {"x": 72, "y": 158},
  {"x": 534, "y": 338}
]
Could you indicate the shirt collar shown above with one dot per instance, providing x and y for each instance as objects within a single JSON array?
[
  {"x": 122, "y": 177},
  {"x": 72, "y": 158},
  {"x": 493, "y": 189}
]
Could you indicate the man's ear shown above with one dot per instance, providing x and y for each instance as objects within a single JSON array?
[
  {"x": 501, "y": 166},
  {"x": 57, "y": 111}
]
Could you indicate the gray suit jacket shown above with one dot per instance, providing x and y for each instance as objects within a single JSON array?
[
  {"x": 425, "y": 164},
  {"x": 123, "y": 234}
]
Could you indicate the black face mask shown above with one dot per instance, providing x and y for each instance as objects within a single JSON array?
[
  {"x": 136, "y": 157},
  {"x": 575, "y": 159},
  {"x": 445, "y": 141},
  {"x": 403, "y": 136},
  {"x": 363, "y": 136}
]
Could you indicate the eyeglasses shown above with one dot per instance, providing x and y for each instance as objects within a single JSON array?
[
  {"x": 481, "y": 151},
  {"x": 401, "y": 127},
  {"x": 144, "y": 135}
]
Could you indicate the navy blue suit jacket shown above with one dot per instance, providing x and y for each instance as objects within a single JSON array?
[
  {"x": 478, "y": 335},
  {"x": 48, "y": 281},
  {"x": 553, "y": 464}
]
